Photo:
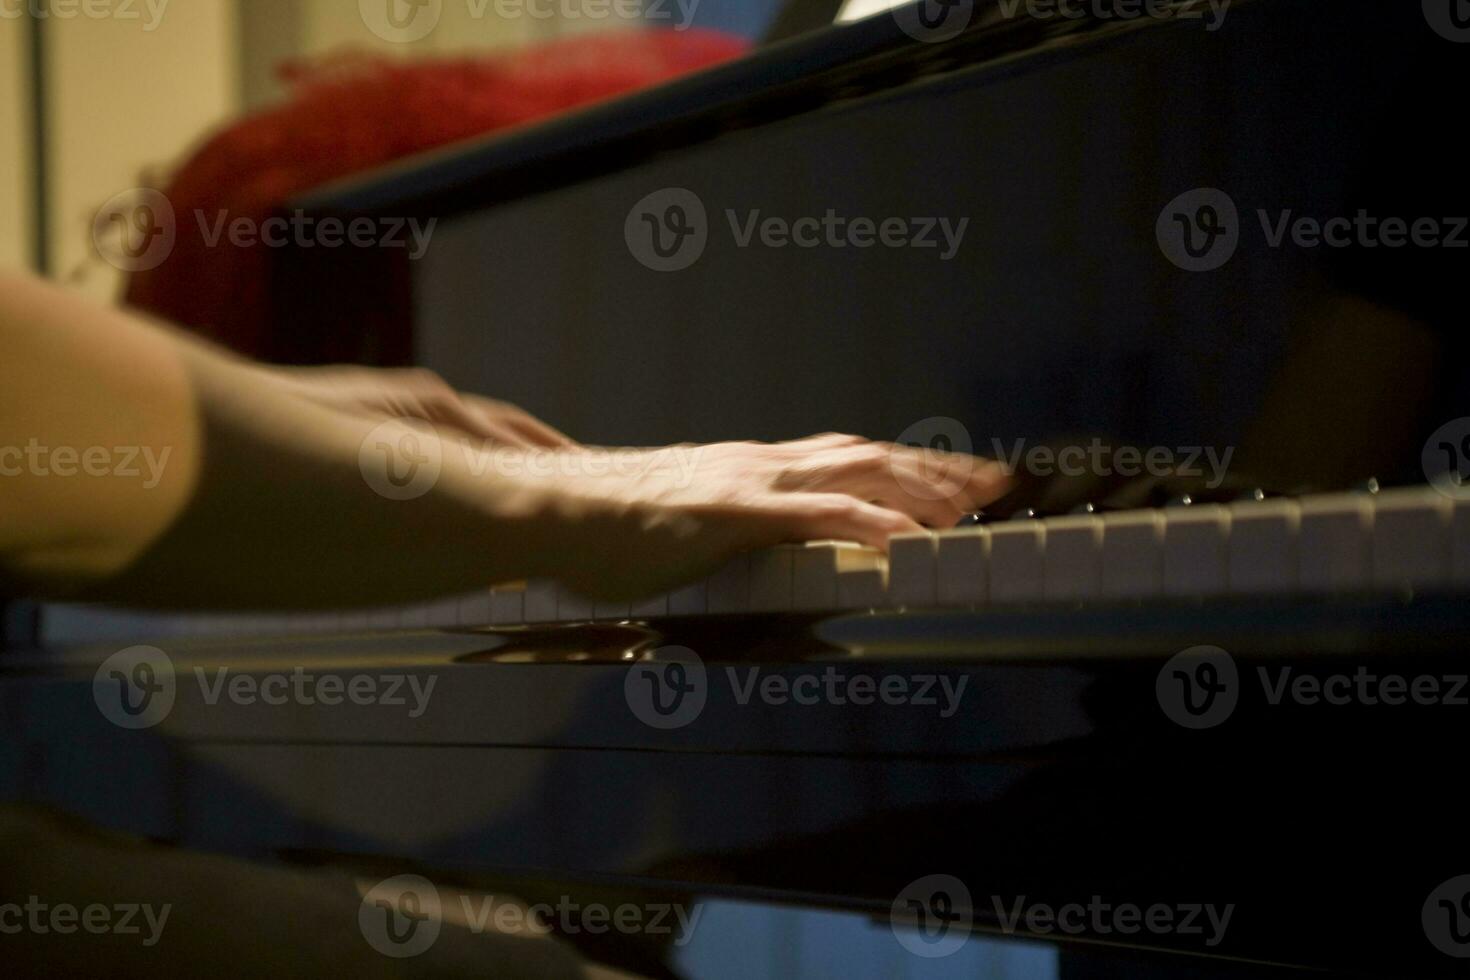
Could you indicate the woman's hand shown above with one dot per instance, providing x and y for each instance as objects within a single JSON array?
[
  {"x": 641, "y": 521},
  {"x": 418, "y": 393}
]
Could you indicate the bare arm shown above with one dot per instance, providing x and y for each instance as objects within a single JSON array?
[{"x": 260, "y": 495}]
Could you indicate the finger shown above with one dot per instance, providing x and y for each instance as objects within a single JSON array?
[
  {"x": 824, "y": 440},
  {"x": 969, "y": 482},
  {"x": 531, "y": 430},
  {"x": 454, "y": 414},
  {"x": 932, "y": 507},
  {"x": 835, "y": 516},
  {"x": 538, "y": 433},
  {"x": 931, "y": 494}
]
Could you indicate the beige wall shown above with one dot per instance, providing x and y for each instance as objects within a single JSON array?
[
  {"x": 121, "y": 99},
  {"x": 15, "y": 174},
  {"x": 128, "y": 96}
]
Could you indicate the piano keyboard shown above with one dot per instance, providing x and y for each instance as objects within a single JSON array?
[{"x": 1389, "y": 541}]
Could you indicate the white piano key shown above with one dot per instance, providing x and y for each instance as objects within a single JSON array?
[
  {"x": 728, "y": 590},
  {"x": 691, "y": 600},
  {"x": 295, "y": 624},
  {"x": 771, "y": 577},
  {"x": 322, "y": 622},
  {"x": 814, "y": 579},
  {"x": 604, "y": 611},
  {"x": 508, "y": 605},
  {"x": 572, "y": 608},
  {"x": 383, "y": 618},
  {"x": 475, "y": 608},
  {"x": 1460, "y": 543},
  {"x": 540, "y": 601},
  {"x": 654, "y": 608},
  {"x": 1017, "y": 561},
  {"x": 1197, "y": 550},
  {"x": 1073, "y": 558},
  {"x": 862, "y": 588},
  {"x": 221, "y": 624},
  {"x": 414, "y": 617},
  {"x": 816, "y": 567},
  {"x": 1133, "y": 554},
  {"x": 913, "y": 570},
  {"x": 1333, "y": 543},
  {"x": 1262, "y": 551},
  {"x": 260, "y": 624},
  {"x": 356, "y": 620},
  {"x": 963, "y": 565},
  {"x": 1411, "y": 539},
  {"x": 444, "y": 612}
]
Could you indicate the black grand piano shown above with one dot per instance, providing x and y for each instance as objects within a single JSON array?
[{"x": 1274, "y": 766}]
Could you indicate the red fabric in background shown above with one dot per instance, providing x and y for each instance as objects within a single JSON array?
[{"x": 351, "y": 113}]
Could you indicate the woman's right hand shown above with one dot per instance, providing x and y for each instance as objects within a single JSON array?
[{"x": 642, "y": 521}]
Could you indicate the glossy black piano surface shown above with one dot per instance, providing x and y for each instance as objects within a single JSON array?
[{"x": 1024, "y": 755}]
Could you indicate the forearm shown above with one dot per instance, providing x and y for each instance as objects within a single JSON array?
[
  {"x": 292, "y": 510},
  {"x": 263, "y": 498}
]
